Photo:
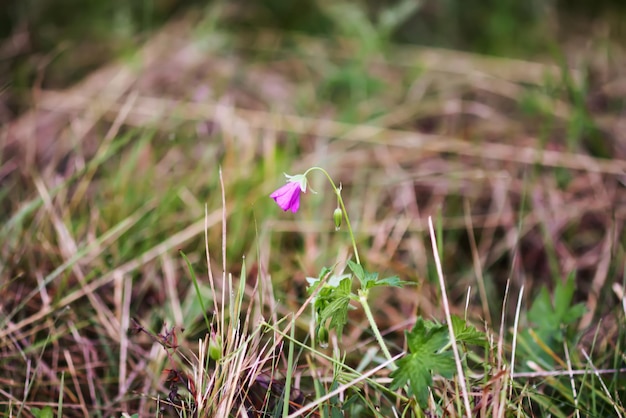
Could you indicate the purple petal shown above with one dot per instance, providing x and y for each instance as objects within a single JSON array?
[{"x": 288, "y": 197}]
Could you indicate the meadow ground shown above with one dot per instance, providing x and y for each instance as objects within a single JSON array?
[{"x": 478, "y": 270}]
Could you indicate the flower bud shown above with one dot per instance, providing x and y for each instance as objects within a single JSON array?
[
  {"x": 337, "y": 216},
  {"x": 322, "y": 336}
]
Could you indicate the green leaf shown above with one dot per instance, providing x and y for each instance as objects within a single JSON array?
[
  {"x": 370, "y": 279},
  {"x": 466, "y": 333},
  {"x": 390, "y": 281},
  {"x": 563, "y": 297},
  {"x": 425, "y": 341},
  {"x": 552, "y": 319},
  {"x": 541, "y": 311},
  {"x": 334, "y": 305},
  {"x": 46, "y": 412},
  {"x": 548, "y": 317},
  {"x": 315, "y": 282},
  {"x": 357, "y": 270}
]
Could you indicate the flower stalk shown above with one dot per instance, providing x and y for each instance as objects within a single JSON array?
[
  {"x": 288, "y": 198},
  {"x": 337, "y": 191}
]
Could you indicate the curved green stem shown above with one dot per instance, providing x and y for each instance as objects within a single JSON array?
[
  {"x": 362, "y": 293},
  {"x": 343, "y": 208},
  {"x": 375, "y": 330}
]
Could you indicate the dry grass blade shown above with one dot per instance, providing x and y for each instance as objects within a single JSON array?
[
  {"x": 150, "y": 109},
  {"x": 446, "y": 307}
]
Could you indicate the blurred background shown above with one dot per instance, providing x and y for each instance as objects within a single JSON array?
[
  {"x": 475, "y": 90},
  {"x": 449, "y": 96},
  {"x": 71, "y": 37}
]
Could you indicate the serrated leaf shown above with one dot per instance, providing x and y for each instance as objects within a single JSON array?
[
  {"x": 370, "y": 279},
  {"x": 424, "y": 342},
  {"x": 357, "y": 269},
  {"x": 390, "y": 281},
  {"x": 466, "y": 333},
  {"x": 576, "y": 312},
  {"x": 336, "y": 305},
  {"x": 548, "y": 316},
  {"x": 366, "y": 278},
  {"x": 552, "y": 318},
  {"x": 563, "y": 295},
  {"x": 541, "y": 309},
  {"x": 313, "y": 282}
]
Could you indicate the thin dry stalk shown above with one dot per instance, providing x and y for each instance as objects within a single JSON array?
[
  {"x": 619, "y": 408},
  {"x": 150, "y": 109},
  {"x": 175, "y": 241},
  {"x": 500, "y": 403},
  {"x": 480, "y": 279},
  {"x": 341, "y": 389},
  {"x": 446, "y": 308}
]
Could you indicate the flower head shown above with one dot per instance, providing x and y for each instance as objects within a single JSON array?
[{"x": 288, "y": 196}]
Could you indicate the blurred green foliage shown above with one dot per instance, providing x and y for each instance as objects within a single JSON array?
[
  {"x": 492, "y": 26},
  {"x": 69, "y": 38}
]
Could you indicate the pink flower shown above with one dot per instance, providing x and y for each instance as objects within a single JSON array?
[{"x": 288, "y": 196}]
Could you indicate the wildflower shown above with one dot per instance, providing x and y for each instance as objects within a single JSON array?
[{"x": 288, "y": 196}]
